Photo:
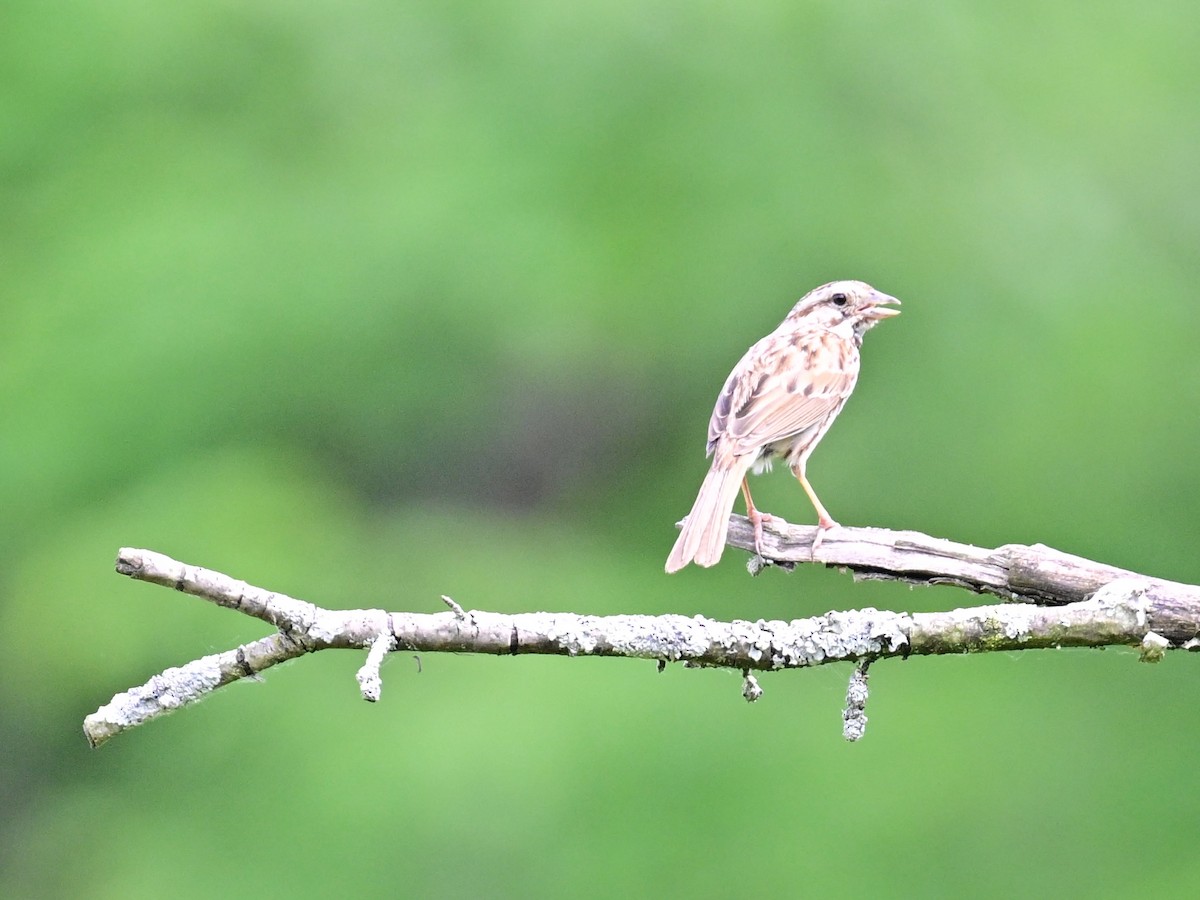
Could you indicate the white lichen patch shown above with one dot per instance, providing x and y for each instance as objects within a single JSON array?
[
  {"x": 1123, "y": 595},
  {"x": 321, "y": 626},
  {"x": 751, "y": 689},
  {"x": 647, "y": 637},
  {"x": 576, "y": 634},
  {"x": 1154, "y": 647},
  {"x": 165, "y": 692},
  {"x": 1016, "y": 630},
  {"x": 839, "y": 635},
  {"x": 854, "y": 716}
]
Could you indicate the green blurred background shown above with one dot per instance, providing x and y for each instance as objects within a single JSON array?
[{"x": 373, "y": 302}]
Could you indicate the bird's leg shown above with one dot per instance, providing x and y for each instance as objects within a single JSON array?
[
  {"x": 824, "y": 520},
  {"x": 756, "y": 518}
]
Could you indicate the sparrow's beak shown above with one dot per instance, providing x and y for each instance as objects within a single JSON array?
[{"x": 877, "y": 310}]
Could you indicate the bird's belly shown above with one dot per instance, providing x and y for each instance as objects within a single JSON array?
[{"x": 785, "y": 448}]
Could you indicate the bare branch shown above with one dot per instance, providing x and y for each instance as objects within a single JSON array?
[
  {"x": 1032, "y": 574},
  {"x": 1071, "y": 602}
]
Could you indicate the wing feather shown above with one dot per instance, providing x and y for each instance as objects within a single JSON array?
[{"x": 783, "y": 386}]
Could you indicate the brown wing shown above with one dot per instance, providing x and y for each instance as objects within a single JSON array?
[{"x": 784, "y": 385}]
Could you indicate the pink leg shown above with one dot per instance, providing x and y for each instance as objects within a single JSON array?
[
  {"x": 824, "y": 520},
  {"x": 756, "y": 518}
]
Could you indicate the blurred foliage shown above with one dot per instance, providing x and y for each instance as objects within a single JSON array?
[{"x": 376, "y": 302}]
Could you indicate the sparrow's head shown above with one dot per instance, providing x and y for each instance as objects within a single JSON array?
[{"x": 844, "y": 302}]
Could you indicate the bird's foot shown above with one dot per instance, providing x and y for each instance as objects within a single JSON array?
[
  {"x": 824, "y": 525},
  {"x": 758, "y": 519}
]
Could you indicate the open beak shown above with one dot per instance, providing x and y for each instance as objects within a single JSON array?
[{"x": 878, "y": 310}]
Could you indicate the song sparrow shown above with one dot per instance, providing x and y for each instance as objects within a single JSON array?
[{"x": 779, "y": 400}]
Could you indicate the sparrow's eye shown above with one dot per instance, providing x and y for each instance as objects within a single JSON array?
[{"x": 838, "y": 299}]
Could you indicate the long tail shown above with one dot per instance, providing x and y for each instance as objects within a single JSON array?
[{"x": 702, "y": 539}]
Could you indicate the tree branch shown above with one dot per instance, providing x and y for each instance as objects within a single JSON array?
[
  {"x": 1063, "y": 601},
  {"x": 1032, "y": 574}
]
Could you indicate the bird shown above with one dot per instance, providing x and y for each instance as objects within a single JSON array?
[{"x": 779, "y": 401}]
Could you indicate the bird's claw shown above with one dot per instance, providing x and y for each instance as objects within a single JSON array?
[
  {"x": 757, "y": 520},
  {"x": 823, "y": 526}
]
